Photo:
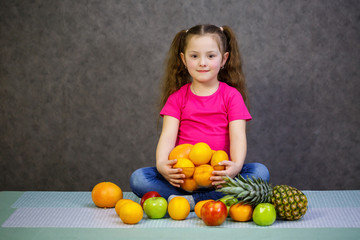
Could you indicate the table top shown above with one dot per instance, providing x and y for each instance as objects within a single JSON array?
[{"x": 15, "y": 205}]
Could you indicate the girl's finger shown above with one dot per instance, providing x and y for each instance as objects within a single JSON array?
[
  {"x": 175, "y": 170},
  {"x": 226, "y": 163},
  {"x": 217, "y": 181},
  {"x": 176, "y": 181},
  {"x": 219, "y": 173},
  {"x": 216, "y": 178},
  {"x": 177, "y": 176},
  {"x": 217, "y": 185},
  {"x": 171, "y": 162}
]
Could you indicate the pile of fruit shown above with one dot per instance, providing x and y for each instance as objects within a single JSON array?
[
  {"x": 212, "y": 212},
  {"x": 109, "y": 195},
  {"x": 197, "y": 162},
  {"x": 244, "y": 200}
]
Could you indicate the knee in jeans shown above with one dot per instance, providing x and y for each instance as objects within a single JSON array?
[
  {"x": 262, "y": 171},
  {"x": 135, "y": 180}
]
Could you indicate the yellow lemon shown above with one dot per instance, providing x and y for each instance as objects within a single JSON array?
[
  {"x": 200, "y": 153},
  {"x": 178, "y": 208},
  {"x": 186, "y": 165},
  {"x": 189, "y": 185},
  {"x": 199, "y": 205},
  {"x": 180, "y": 151},
  {"x": 217, "y": 157},
  {"x": 120, "y": 203},
  {"x": 131, "y": 213},
  {"x": 202, "y": 175}
]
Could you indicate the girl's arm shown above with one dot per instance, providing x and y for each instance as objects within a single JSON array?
[
  {"x": 166, "y": 143},
  {"x": 238, "y": 147}
]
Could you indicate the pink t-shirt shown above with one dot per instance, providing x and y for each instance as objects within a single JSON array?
[{"x": 206, "y": 118}]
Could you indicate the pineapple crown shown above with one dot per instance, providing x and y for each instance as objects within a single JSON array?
[{"x": 249, "y": 191}]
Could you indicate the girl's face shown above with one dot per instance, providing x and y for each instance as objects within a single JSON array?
[{"x": 203, "y": 58}]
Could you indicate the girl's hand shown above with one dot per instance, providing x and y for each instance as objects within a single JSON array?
[
  {"x": 231, "y": 170},
  {"x": 172, "y": 175}
]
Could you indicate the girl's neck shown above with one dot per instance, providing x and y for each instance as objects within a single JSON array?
[{"x": 203, "y": 90}]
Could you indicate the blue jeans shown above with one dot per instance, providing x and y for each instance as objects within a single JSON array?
[{"x": 148, "y": 179}]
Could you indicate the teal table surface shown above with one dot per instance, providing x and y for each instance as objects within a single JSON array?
[{"x": 8, "y": 198}]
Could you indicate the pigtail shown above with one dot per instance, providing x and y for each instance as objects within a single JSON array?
[
  {"x": 232, "y": 73},
  {"x": 176, "y": 74}
]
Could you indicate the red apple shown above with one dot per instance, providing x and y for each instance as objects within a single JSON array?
[
  {"x": 149, "y": 195},
  {"x": 214, "y": 213}
]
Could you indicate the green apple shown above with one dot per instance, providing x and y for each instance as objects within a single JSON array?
[
  {"x": 155, "y": 207},
  {"x": 264, "y": 214},
  {"x": 229, "y": 201}
]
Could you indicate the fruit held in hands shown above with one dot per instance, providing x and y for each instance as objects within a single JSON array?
[
  {"x": 106, "y": 194},
  {"x": 202, "y": 175},
  {"x": 264, "y": 214},
  {"x": 200, "y": 153},
  {"x": 218, "y": 156},
  {"x": 189, "y": 185},
  {"x": 148, "y": 195},
  {"x": 178, "y": 208},
  {"x": 180, "y": 151},
  {"x": 186, "y": 165},
  {"x": 214, "y": 213},
  {"x": 155, "y": 207}
]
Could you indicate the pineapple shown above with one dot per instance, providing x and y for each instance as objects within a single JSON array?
[{"x": 290, "y": 203}]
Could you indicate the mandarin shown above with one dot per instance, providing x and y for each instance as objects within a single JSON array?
[
  {"x": 199, "y": 205},
  {"x": 189, "y": 185},
  {"x": 202, "y": 175},
  {"x": 217, "y": 157},
  {"x": 186, "y": 165},
  {"x": 241, "y": 212},
  {"x": 178, "y": 208},
  {"x": 180, "y": 151},
  {"x": 200, "y": 153},
  {"x": 121, "y": 203},
  {"x": 131, "y": 213}
]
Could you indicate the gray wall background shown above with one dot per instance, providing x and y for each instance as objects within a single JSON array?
[{"x": 80, "y": 83}]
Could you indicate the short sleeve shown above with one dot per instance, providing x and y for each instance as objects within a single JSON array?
[
  {"x": 236, "y": 107},
  {"x": 172, "y": 106}
]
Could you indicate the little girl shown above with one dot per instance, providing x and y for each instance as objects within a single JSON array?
[{"x": 203, "y": 100}]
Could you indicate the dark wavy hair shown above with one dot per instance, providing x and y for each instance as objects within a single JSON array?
[{"x": 176, "y": 75}]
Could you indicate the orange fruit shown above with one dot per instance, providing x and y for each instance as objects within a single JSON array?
[
  {"x": 199, "y": 205},
  {"x": 131, "y": 213},
  {"x": 121, "y": 203},
  {"x": 202, "y": 175},
  {"x": 180, "y": 151},
  {"x": 189, "y": 185},
  {"x": 217, "y": 157},
  {"x": 178, "y": 208},
  {"x": 200, "y": 153},
  {"x": 106, "y": 194},
  {"x": 241, "y": 212},
  {"x": 187, "y": 166}
]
